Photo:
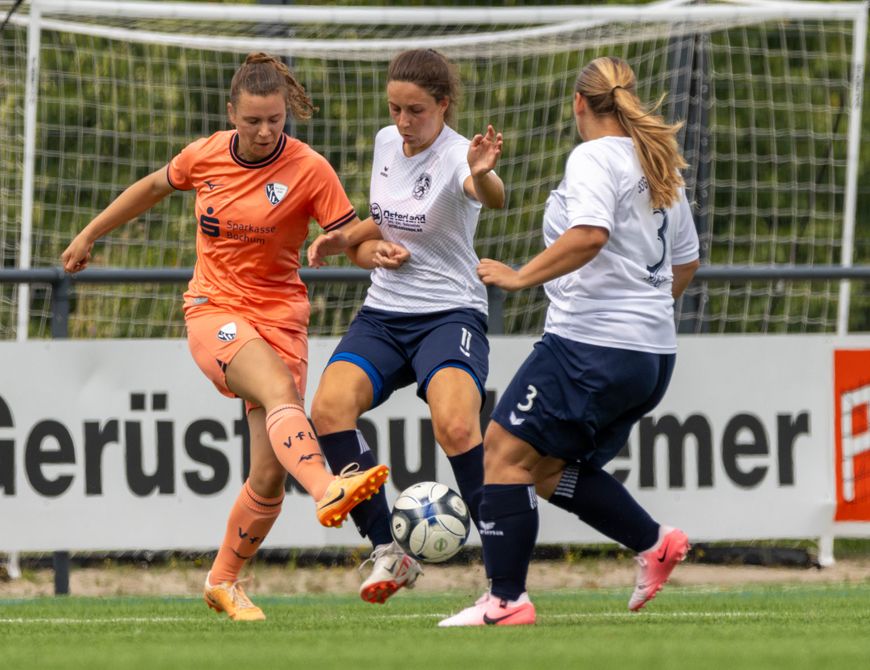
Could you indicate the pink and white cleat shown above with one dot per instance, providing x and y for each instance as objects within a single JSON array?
[
  {"x": 492, "y": 611},
  {"x": 655, "y": 565}
]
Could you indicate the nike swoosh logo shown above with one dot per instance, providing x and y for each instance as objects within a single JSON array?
[
  {"x": 334, "y": 500},
  {"x": 491, "y": 622},
  {"x": 664, "y": 555}
]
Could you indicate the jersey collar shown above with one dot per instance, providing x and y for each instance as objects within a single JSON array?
[{"x": 268, "y": 160}]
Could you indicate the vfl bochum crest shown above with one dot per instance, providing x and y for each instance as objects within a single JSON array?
[
  {"x": 422, "y": 186},
  {"x": 276, "y": 192}
]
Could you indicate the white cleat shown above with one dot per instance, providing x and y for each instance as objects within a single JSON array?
[{"x": 392, "y": 569}]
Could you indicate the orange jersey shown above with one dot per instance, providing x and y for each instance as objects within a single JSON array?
[{"x": 252, "y": 220}]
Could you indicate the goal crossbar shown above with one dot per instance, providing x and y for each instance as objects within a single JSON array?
[{"x": 676, "y": 11}]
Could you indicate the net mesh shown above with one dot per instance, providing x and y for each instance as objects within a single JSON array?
[{"x": 767, "y": 106}]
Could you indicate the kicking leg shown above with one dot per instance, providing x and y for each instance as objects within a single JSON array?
[{"x": 344, "y": 393}]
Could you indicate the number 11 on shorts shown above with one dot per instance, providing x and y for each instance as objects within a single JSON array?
[{"x": 465, "y": 342}]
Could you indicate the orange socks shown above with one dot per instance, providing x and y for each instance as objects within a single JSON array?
[
  {"x": 250, "y": 520},
  {"x": 296, "y": 446}
]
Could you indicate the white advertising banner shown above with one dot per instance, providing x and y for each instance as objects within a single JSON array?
[{"x": 123, "y": 444}]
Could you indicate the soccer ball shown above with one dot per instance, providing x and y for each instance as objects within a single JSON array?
[{"x": 430, "y": 522}]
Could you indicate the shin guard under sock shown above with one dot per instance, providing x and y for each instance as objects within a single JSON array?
[
  {"x": 508, "y": 529},
  {"x": 250, "y": 520},
  {"x": 468, "y": 471}
]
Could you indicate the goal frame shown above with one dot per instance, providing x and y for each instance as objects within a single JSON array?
[{"x": 42, "y": 12}]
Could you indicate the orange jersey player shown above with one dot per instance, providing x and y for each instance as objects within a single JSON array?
[
  {"x": 253, "y": 218},
  {"x": 246, "y": 309}
]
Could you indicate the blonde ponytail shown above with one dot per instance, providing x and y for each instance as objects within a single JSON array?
[{"x": 608, "y": 84}]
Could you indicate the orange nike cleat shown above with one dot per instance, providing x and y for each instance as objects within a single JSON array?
[{"x": 347, "y": 490}]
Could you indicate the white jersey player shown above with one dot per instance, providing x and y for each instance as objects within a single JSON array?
[
  {"x": 623, "y": 296},
  {"x": 424, "y": 319},
  {"x": 420, "y": 203},
  {"x": 621, "y": 246}
]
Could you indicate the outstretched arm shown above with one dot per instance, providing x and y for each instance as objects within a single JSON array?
[
  {"x": 574, "y": 249},
  {"x": 341, "y": 241},
  {"x": 138, "y": 198},
  {"x": 484, "y": 185}
]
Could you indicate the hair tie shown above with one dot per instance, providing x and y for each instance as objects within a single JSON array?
[{"x": 614, "y": 88}]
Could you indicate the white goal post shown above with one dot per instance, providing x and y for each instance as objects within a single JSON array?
[{"x": 771, "y": 92}]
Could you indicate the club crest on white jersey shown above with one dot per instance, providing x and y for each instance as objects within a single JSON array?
[
  {"x": 275, "y": 192},
  {"x": 422, "y": 186},
  {"x": 375, "y": 211}
]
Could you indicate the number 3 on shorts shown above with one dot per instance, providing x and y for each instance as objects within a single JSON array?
[{"x": 530, "y": 400}]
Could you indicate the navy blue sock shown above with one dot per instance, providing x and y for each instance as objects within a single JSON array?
[
  {"x": 508, "y": 529},
  {"x": 600, "y": 501},
  {"x": 468, "y": 470},
  {"x": 372, "y": 517}
]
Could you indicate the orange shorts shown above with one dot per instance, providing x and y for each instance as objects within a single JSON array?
[{"x": 215, "y": 335}]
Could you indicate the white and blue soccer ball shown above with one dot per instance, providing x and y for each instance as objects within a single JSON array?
[{"x": 430, "y": 522}]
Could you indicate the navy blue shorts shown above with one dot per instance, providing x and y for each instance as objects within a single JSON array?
[
  {"x": 579, "y": 401},
  {"x": 396, "y": 349}
]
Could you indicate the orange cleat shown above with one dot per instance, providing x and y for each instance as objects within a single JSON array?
[
  {"x": 229, "y": 597},
  {"x": 347, "y": 490}
]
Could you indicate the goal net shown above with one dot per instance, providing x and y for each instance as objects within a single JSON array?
[{"x": 770, "y": 92}]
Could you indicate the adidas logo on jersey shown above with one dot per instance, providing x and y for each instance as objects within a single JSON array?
[
  {"x": 227, "y": 332},
  {"x": 275, "y": 192}
]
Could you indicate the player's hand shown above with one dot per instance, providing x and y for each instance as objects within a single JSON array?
[
  {"x": 495, "y": 273},
  {"x": 77, "y": 255},
  {"x": 483, "y": 152},
  {"x": 328, "y": 244},
  {"x": 389, "y": 255}
]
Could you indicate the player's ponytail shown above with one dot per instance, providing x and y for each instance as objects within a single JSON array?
[
  {"x": 263, "y": 74},
  {"x": 608, "y": 84},
  {"x": 431, "y": 71}
]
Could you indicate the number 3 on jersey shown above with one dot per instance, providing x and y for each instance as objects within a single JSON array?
[
  {"x": 530, "y": 399},
  {"x": 661, "y": 234}
]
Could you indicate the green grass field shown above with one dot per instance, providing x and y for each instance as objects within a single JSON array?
[{"x": 759, "y": 627}]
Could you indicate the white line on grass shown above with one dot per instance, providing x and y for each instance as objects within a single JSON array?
[
  {"x": 434, "y": 615},
  {"x": 619, "y": 615},
  {"x": 69, "y": 620}
]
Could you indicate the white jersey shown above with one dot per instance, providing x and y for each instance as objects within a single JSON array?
[
  {"x": 622, "y": 297},
  {"x": 420, "y": 203}
]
